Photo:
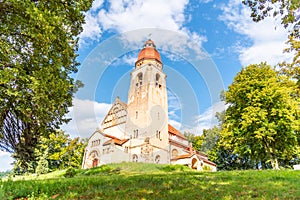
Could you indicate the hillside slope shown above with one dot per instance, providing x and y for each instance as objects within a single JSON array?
[{"x": 149, "y": 181}]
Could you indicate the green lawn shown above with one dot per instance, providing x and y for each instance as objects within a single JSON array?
[{"x": 149, "y": 181}]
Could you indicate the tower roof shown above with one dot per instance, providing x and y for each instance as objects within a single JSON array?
[{"x": 149, "y": 52}]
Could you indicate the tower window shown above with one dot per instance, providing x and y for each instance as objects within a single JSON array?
[
  {"x": 157, "y": 159},
  {"x": 157, "y": 77},
  {"x": 134, "y": 158},
  {"x": 139, "y": 79},
  {"x": 135, "y": 133},
  {"x": 158, "y": 134},
  {"x": 157, "y": 81},
  {"x": 136, "y": 114}
]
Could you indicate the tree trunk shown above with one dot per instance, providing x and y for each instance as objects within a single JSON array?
[
  {"x": 275, "y": 164},
  {"x": 273, "y": 159}
]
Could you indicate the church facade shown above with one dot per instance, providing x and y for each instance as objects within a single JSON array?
[{"x": 139, "y": 131}]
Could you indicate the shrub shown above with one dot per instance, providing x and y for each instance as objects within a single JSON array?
[
  {"x": 71, "y": 172},
  {"x": 206, "y": 168}
]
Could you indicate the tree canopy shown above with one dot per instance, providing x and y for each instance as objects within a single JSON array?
[
  {"x": 38, "y": 45},
  {"x": 288, "y": 10},
  {"x": 262, "y": 120}
]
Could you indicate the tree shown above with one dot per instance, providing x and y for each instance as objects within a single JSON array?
[
  {"x": 196, "y": 140},
  {"x": 42, "y": 165},
  {"x": 287, "y": 9},
  {"x": 62, "y": 151},
  {"x": 212, "y": 136},
  {"x": 293, "y": 69},
  {"x": 290, "y": 18},
  {"x": 262, "y": 120},
  {"x": 38, "y": 45},
  {"x": 210, "y": 139}
]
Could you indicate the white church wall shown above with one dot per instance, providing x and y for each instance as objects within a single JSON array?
[{"x": 116, "y": 131}]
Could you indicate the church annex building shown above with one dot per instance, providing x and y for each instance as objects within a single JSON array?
[{"x": 139, "y": 131}]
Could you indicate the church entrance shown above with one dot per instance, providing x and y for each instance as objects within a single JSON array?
[
  {"x": 194, "y": 163},
  {"x": 95, "y": 162}
]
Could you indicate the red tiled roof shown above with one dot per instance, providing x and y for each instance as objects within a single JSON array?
[
  {"x": 190, "y": 155},
  {"x": 183, "y": 156},
  {"x": 174, "y": 131},
  {"x": 149, "y": 52},
  {"x": 114, "y": 140}
]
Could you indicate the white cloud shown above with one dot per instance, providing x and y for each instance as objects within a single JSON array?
[
  {"x": 207, "y": 119},
  {"x": 268, "y": 37},
  {"x": 86, "y": 116},
  {"x": 131, "y": 15},
  {"x": 91, "y": 28}
]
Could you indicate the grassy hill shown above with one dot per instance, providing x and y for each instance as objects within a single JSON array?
[{"x": 150, "y": 181}]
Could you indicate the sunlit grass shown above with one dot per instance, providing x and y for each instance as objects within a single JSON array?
[{"x": 148, "y": 181}]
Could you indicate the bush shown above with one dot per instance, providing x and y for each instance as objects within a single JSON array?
[
  {"x": 206, "y": 168},
  {"x": 71, "y": 172}
]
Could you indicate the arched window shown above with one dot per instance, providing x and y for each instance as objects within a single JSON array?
[
  {"x": 134, "y": 158},
  {"x": 157, "y": 77},
  {"x": 157, "y": 159},
  {"x": 157, "y": 81},
  {"x": 194, "y": 163},
  {"x": 174, "y": 153}
]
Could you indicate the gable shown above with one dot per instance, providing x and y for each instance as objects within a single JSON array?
[
  {"x": 116, "y": 115},
  {"x": 174, "y": 131}
]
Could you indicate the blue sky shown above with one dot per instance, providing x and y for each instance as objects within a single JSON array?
[{"x": 203, "y": 44}]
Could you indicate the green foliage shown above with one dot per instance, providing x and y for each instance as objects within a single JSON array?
[
  {"x": 211, "y": 137},
  {"x": 71, "y": 172},
  {"x": 4, "y": 174},
  {"x": 38, "y": 45},
  {"x": 293, "y": 69},
  {"x": 196, "y": 140},
  {"x": 262, "y": 120},
  {"x": 288, "y": 10},
  {"x": 63, "y": 152},
  {"x": 42, "y": 165}
]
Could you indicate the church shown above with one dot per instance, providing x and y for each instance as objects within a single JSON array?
[{"x": 138, "y": 131}]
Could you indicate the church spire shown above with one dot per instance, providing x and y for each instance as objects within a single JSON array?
[{"x": 148, "y": 53}]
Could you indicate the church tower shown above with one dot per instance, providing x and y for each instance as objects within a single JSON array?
[
  {"x": 139, "y": 131},
  {"x": 147, "y": 109}
]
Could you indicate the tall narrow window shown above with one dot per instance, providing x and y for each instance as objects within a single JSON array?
[
  {"x": 139, "y": 79},
  {"x": 135, "y": 133},
  {"x": 126, "y": 149},
  {"x": 157, "y": 81},
  {"x": 158, "y": 134},
  {"x": 136, "y": 114}
]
